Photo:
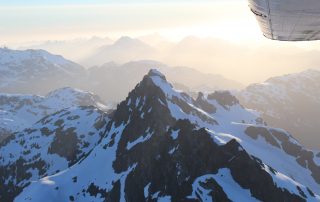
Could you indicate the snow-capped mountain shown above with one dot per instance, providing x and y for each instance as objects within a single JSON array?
[
  {"x": 162, "y": 145},
  {"x": 51, "y": 145},
  {"x": 19, "y": 111},
  {"x": 35, "y": 71},
  {"x": 291, "y": 102}
]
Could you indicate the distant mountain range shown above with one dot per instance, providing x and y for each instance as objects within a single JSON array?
[
  {"x": 39, "y": 72},
  {"x": 75, "y": 49},
  {"x": 113, "y": 82},
  {"x": 240, "y": 61},
  {"x": 159, "y": 144},
  {"x": 291, "y": 102}
]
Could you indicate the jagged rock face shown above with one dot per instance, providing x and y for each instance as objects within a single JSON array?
[
  {"x": 53, "y": 144},
  {"x": 161, "y": 144},
  {"x": 202, "y": 103},
  {"x": 3, "y": 134},
  {"x": 224, "y": 98},
  {"x": 290, "y": 102},
  {"x": 171, "y": 169},
  {"x": 18, "y": 112}
]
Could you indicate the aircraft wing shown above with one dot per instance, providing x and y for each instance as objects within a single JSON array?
[{"x": 288, "y": 20}]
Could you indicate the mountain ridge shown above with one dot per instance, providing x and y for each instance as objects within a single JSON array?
[
  {"x": 290, "y": 102},
  {"x": 18, "y": 111}
]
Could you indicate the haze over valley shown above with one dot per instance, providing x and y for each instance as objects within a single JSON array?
[{"x": 255, "y": 62}]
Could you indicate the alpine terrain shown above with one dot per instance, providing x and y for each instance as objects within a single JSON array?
[{"x": 159, "y": 144}]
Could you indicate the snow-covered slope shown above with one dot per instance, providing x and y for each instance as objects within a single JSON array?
[
  {"x": 291, "y": 102},
  {"x": 20, "y": 111},
  {"x": 35, "y": 71},
  {"x": 51, "y": 145},
  {"x": 161, "y": 144}
]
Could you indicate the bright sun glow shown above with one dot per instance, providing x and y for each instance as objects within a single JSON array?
[{"x": 230, "y": 21}]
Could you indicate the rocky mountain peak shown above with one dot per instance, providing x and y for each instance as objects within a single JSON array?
[
  {"x": 146, "y": 103},
  {"x": 156, "y": 73}
]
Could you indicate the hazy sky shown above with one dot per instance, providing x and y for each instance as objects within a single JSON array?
[
  {"x": 86, "y": 2},
  {"x": 22, "y": 21}
]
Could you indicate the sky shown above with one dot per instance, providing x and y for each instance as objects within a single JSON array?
[
  {"x": 32, "y": 20},
  {"x": 86, "y": 2}
]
